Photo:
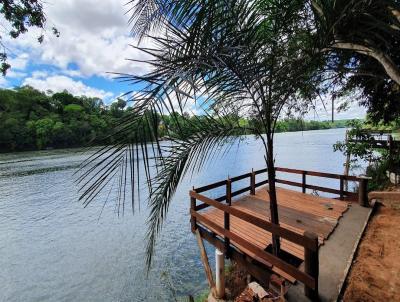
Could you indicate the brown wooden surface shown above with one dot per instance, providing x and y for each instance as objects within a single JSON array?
[
  {"x": 298, "y": 212},
  {"x": 252, "y": 249},
  {"x": 204, "y": 259},
  {"x": 261, "y": 223}
]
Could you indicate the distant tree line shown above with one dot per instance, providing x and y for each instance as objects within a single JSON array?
[{"x": 33, "y": 120}]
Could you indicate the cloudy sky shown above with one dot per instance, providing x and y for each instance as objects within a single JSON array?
[{"x": 94, "y": 43}]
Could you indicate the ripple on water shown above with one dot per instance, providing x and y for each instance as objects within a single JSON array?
[{"x": 54, "y": 250}]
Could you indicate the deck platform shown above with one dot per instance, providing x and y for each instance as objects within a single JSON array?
[
  {"x": 238, "y": 224},
  {"x": 297, "y": 212}
]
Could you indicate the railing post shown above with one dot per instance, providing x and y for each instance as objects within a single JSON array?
[
  {"x": 219, "y": 274},
  {"x": 303, "y": 185},
  {"x": 193, "y": 219},
  {"x": 252, "y": 183},
  {"x": 226, "y": 215},
  {"x": 341, "y": 187},
  {"x": 311, "y": 265},
  {"x": 363, "y": 191},
  {"x": 390, "y": 147}
]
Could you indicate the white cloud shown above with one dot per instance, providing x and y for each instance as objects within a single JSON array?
[
  {"x": 94, "y": 36},
  {"x": 15, "y": 74},
  {"x": 18, "y": 65},
  {"x": 3, "y": 82},
  {"x": 20, "y": 61},
  {"x": 60, "y": 83}
]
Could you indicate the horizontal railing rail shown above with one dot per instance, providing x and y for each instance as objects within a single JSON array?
[
  {"x": 253, "y": 184},
  {"x": 318, "y": 174}
]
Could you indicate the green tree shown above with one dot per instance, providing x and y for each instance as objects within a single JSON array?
[
  {"x": 43, "y": 130},
  {"x": 21, "y": 15},
  {"x": 361, "y": 41}
]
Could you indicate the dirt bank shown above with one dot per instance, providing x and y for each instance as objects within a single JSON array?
[{"x": 375, "y": 274}]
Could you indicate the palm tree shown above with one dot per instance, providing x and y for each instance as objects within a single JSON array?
[{"x": 229, "y": 59}]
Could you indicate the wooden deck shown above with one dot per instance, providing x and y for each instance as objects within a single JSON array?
[
  {"x": 238, "y": 223},
  {"x": 297, "y": 212}
]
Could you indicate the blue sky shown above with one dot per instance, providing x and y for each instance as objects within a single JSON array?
[{"x": 94, "y": 42}]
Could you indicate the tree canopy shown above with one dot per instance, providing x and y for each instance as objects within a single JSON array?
[
  {"x": 361, "y": 39},
  {"x": 21, "y": 15}
]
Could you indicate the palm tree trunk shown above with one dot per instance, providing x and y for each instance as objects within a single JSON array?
[{"x": 272, "y": 193}]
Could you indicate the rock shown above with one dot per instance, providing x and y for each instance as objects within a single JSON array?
[
  {"x": 254, "y": 292},
  {"x": 258, "y": 290}
]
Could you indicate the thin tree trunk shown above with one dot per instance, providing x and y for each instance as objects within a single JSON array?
[{"x": 272, "y": 193}]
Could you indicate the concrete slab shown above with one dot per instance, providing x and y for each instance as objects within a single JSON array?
[{"x": 336, "y": 255}]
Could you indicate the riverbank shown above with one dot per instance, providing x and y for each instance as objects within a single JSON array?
[
  {"x": 374, "y": 275},
  {"x": 32, "y": 120}
]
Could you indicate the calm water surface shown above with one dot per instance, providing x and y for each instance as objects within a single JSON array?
[{"x": 52, "y": 249}]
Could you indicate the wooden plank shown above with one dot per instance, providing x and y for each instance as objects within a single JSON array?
[
  {"x": 204, "y": 259},
  {"x": 311, "y": 265},
  {"x": 296, "y": 273},
  {"x": 240, "y": 177},
  {"x": 226, "y": 214},
  {"x": 254, "y": 234},
  {"x": 261, "y": 183},
  {"x": 284, "y": 233},
  {"x": 314, "y": 187},
  {"x": 292, "y": 209},
  {"x": 302, "y": 220},
  {"x": 241, "y": 191},
  {"x": 211, "y": 186},
  {"x": 303, "y": 202},
  {"x": 319, "y": 174},
  {"x": 260, "y": 171}
]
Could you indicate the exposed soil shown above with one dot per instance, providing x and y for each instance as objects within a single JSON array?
[
  {"x": 375, "y": 273},
  {"x": 235, "y": 280}
]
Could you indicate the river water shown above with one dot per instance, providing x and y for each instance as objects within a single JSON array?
[{"x": 52, "y": 249}]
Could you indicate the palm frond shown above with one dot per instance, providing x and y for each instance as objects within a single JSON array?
[{"x": 228, "y": 59}]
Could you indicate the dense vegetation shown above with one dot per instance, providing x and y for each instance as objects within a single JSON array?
[
  {"x": 379, "y": 160},
  {"x": 32, "y": 120}
]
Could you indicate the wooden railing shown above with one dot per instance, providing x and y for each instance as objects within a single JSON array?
[
  {"x": 342, "y": 194},
  {"x": 309, "y": 241}
]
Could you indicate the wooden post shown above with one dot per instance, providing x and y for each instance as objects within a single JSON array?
[
  {"x": 219, "y": 274},
  {"x": 252, "y": 183},
  {"x": 390, "y": 147},
  {"x": 226, "y": 215},
  {"x": 193, "y": 219},
  {"x": 206, "y": 264},
  {"x": 390, "y": 143},
  {"x": 303, "y": 185},
  {"x": 347, "y": 163},
  {"x": 311, "y": 266},
  {"x": 363, "y": 191},
  {"x": 341, "y": 187}
]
